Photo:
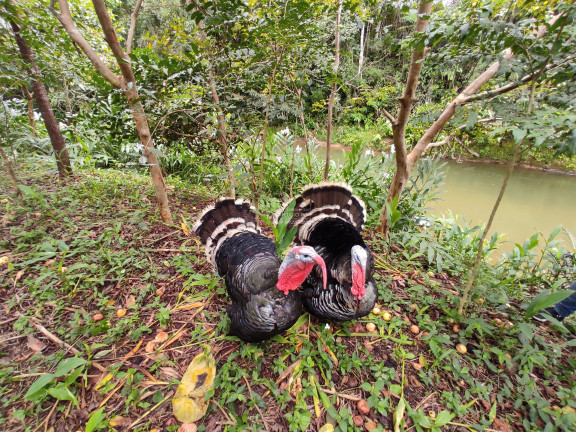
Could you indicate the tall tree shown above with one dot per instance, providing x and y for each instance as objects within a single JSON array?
[
  {"x": 41, "y": 95},
  {"x": 333, "y": 91},
  {"x": 404, "y": 160},
  {"x": 126, "y": 82}
]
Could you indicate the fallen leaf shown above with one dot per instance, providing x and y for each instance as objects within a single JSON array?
[
  {"x": 35, "y": 345},
  {"x": 130, "y": 301},
  {"x": 185, "y": 228},
  {"x": 161, "y": 337},
  {"x": 169, "y": 372},
  {"x": 4, "y": 260},
  {"x": 18, "y": 276},
  {"x": 188, "y": 402},
  {"x": 370, "y": 425},
  {"x": 501, "y": 426},
  {"x": 119, "y": 422},
  {"x": 188, "y": 427},
  {"x": 150, "y": 347}
]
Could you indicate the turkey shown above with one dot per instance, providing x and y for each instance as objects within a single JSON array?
[
  {"x": 330, "y": 218},
  {"x": 261, "y": 287}
]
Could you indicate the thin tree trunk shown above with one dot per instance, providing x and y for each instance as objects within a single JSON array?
[
  {"x": 305, "y": 129},
  {"x": 30, "y": 103},
  {"x": 126, "y": 83},
  {"x": 62, "y": 158},
  {"x": 132, "y": 29},
  {"x": 265, "y": 131},
  {"x": 399, "y": 123},
  {"x": 10, "y": 170},
  {"x": 222, "y": 135},
  {"x": 361, "y": 57},
  {"x": 478, "y": 260},
  {"x": 333, "y": 92}
]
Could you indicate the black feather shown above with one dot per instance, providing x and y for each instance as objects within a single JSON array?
[
  {"x": 249, "y": 265},
  {"x": 329, "y": 218}
]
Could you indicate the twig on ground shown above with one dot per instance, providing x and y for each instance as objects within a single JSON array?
[
  {"x": 342, "y": 395},
  {"x": 256, "y": 405},
  {"x": 59, "y": 341},
  {"x": 134, "y": 423}
]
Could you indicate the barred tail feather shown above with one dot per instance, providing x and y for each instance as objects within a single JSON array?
[
  {"x": 324, "y": 200},
  {"x": 221, "y": 221}
]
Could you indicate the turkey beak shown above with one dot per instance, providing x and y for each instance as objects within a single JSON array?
[{"x": 318, "y": 260}]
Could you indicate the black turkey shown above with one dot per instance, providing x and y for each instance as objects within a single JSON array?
[
  {"x": 260, "y": 286},
  {"x": 330, "y": 218}
]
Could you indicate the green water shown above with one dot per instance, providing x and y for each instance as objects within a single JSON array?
[{"x": 534, "y": 201}]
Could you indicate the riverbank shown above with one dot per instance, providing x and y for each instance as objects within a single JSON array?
[{"x": 562, "y": 166}]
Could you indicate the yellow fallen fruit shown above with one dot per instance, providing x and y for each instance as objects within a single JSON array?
[{"x": 188, "y": 402}]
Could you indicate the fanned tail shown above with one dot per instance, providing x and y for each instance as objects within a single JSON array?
[
  {"x": 324, "y": 200},
  {"x": 221, "y": 221}
]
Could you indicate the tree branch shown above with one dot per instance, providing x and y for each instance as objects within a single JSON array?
[
  {"x": 132, "y": 28},
  {"x": 66, "y": 20},
  {"x": 112, "y": 40},
  {"x": 450, "y": 109},
  {"x": 512, "y": 86},
  {"x": 388, "y": 115}
]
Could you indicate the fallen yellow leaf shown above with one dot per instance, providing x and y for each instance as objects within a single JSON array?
[
  {"x": 188, "y": 402},
  {"x": 4, "y": 260}
]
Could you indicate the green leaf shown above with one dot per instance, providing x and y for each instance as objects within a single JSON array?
[
  {"x": 286, "y": 240},
  {"x": 68, "y": 365},
  {"x": 442, "y": 418},
  {"x": 492, "y": 415},
  {"x": 519, "y": 134},
  {"x": 38, "y": 385},
  {"x": 398, "y": 415},
  {"x": 286, "y": 216},
  {"x": 472, "y": 120},
  {"x": 61, "y": 392},
  {"x": 544, "y": 300},
  {"x": 95, "y": 420},
  {"x": 555, "y": 233}
]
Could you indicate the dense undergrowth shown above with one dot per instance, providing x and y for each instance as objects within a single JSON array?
[{"x": 90, "y": 246}]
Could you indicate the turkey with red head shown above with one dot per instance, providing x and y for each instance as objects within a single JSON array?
[
  {"x": 261, "y": 287},
  {"x": 330, "y": 218}
]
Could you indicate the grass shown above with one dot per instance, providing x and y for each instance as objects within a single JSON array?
[{"x": 94, "y": 245}]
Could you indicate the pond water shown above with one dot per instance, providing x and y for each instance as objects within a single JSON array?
[{"x": 534, "y": 201}]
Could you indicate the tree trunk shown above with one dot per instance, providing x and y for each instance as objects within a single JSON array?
[
  {"x": 478, "y": 260},
  {"x": 405, "y": 161},
  {"x": 403, "y": 164},
  {"x": 333, "y": 92},
  {"x": 222, "y": 135},
  {"x": 10, "y": 170},
  {"x": 361, "y": 57},
  {"x": 30, "y": 102},
  {"x": 132, "y": 28},
  {"x": 153, "y": 164},
  {"x": 265, "y": 131},
  {"x": 127, "y": 83},
  {"x": 62, "y": 158}
]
